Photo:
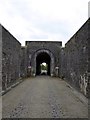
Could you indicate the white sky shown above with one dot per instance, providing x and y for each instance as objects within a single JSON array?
[
  {"x": 55, "y": 20},
  {"x": 44, "y": 64}
]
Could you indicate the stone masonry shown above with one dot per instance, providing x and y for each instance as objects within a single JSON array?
[
  {"x": 71, "y": 62},
  {"x": 0, "y": 58},
  {"x": 10, "y": 59},
  {"x": 50, "y": 48},
  {"x": 23, "y": 63},
  {"x": 75, "y": 59}
]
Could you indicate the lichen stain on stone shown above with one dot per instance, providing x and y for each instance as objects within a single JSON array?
[{"x": 83, "y": 83}]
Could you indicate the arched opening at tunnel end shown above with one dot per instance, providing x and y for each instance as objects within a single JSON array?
[{"x": 43, "y": 64}]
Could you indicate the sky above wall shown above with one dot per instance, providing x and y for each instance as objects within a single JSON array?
[{"x": 43, "y": 20}]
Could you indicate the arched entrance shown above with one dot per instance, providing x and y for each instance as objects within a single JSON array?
[
  {"x": 43, "y": 57},
  {"x": 40, "y": 56}
]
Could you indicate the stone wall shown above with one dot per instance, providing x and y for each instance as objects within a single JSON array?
[
  {"x": 89, "y": 57},
  {"x": 50, "y": 47},
  {"x": 11, "y": 59},
  {"x": 0, "y": 57},
  {"x": 74, "y": 59},
  {"x": 23, "y": 65}
]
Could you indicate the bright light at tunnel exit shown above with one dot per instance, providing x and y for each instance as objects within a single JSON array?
[{"x": 44, "y": 64}]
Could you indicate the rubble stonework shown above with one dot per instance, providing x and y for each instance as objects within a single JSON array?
[
  {"x": 23, "y": 63},
  {"x": 10, "y": 59},
  {"x": 75, "y": 59},
  {"x": 0, "y": 57},
  {"x": 71, "y": 62},
  {"x": 38, "y": 47}
]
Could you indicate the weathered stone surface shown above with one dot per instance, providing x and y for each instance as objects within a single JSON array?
[
  {"x": 75, "y": 58},
  {"x": 37, "y": 47},
  {"x": 88, "y": 89},
  {"x": 0, "y": 71},
  {"x": 23, "y": 64},
  {"x": 11, "y": 59},
  {"x": 0, "y": 57}
]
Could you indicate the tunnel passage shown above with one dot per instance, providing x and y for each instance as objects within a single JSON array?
[{"x": 42, "y": 58}]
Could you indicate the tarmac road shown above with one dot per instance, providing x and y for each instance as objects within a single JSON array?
[{"x": 43, "y": 97}]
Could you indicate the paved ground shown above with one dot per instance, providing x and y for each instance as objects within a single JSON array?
[{"x": 43, "y": 97}]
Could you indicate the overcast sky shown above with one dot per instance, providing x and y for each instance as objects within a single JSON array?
[{"x": 52, "y": 20}]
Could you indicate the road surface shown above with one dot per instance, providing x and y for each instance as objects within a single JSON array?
[{"x": 43, "y": 97}]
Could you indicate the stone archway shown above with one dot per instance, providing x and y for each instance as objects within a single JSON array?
[
  {"x": 43, "y": 57},
  {"x": 48, "y": 57}
]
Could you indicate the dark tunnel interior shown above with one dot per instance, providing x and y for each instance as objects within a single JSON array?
[{"x": 42, "y": 57}]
